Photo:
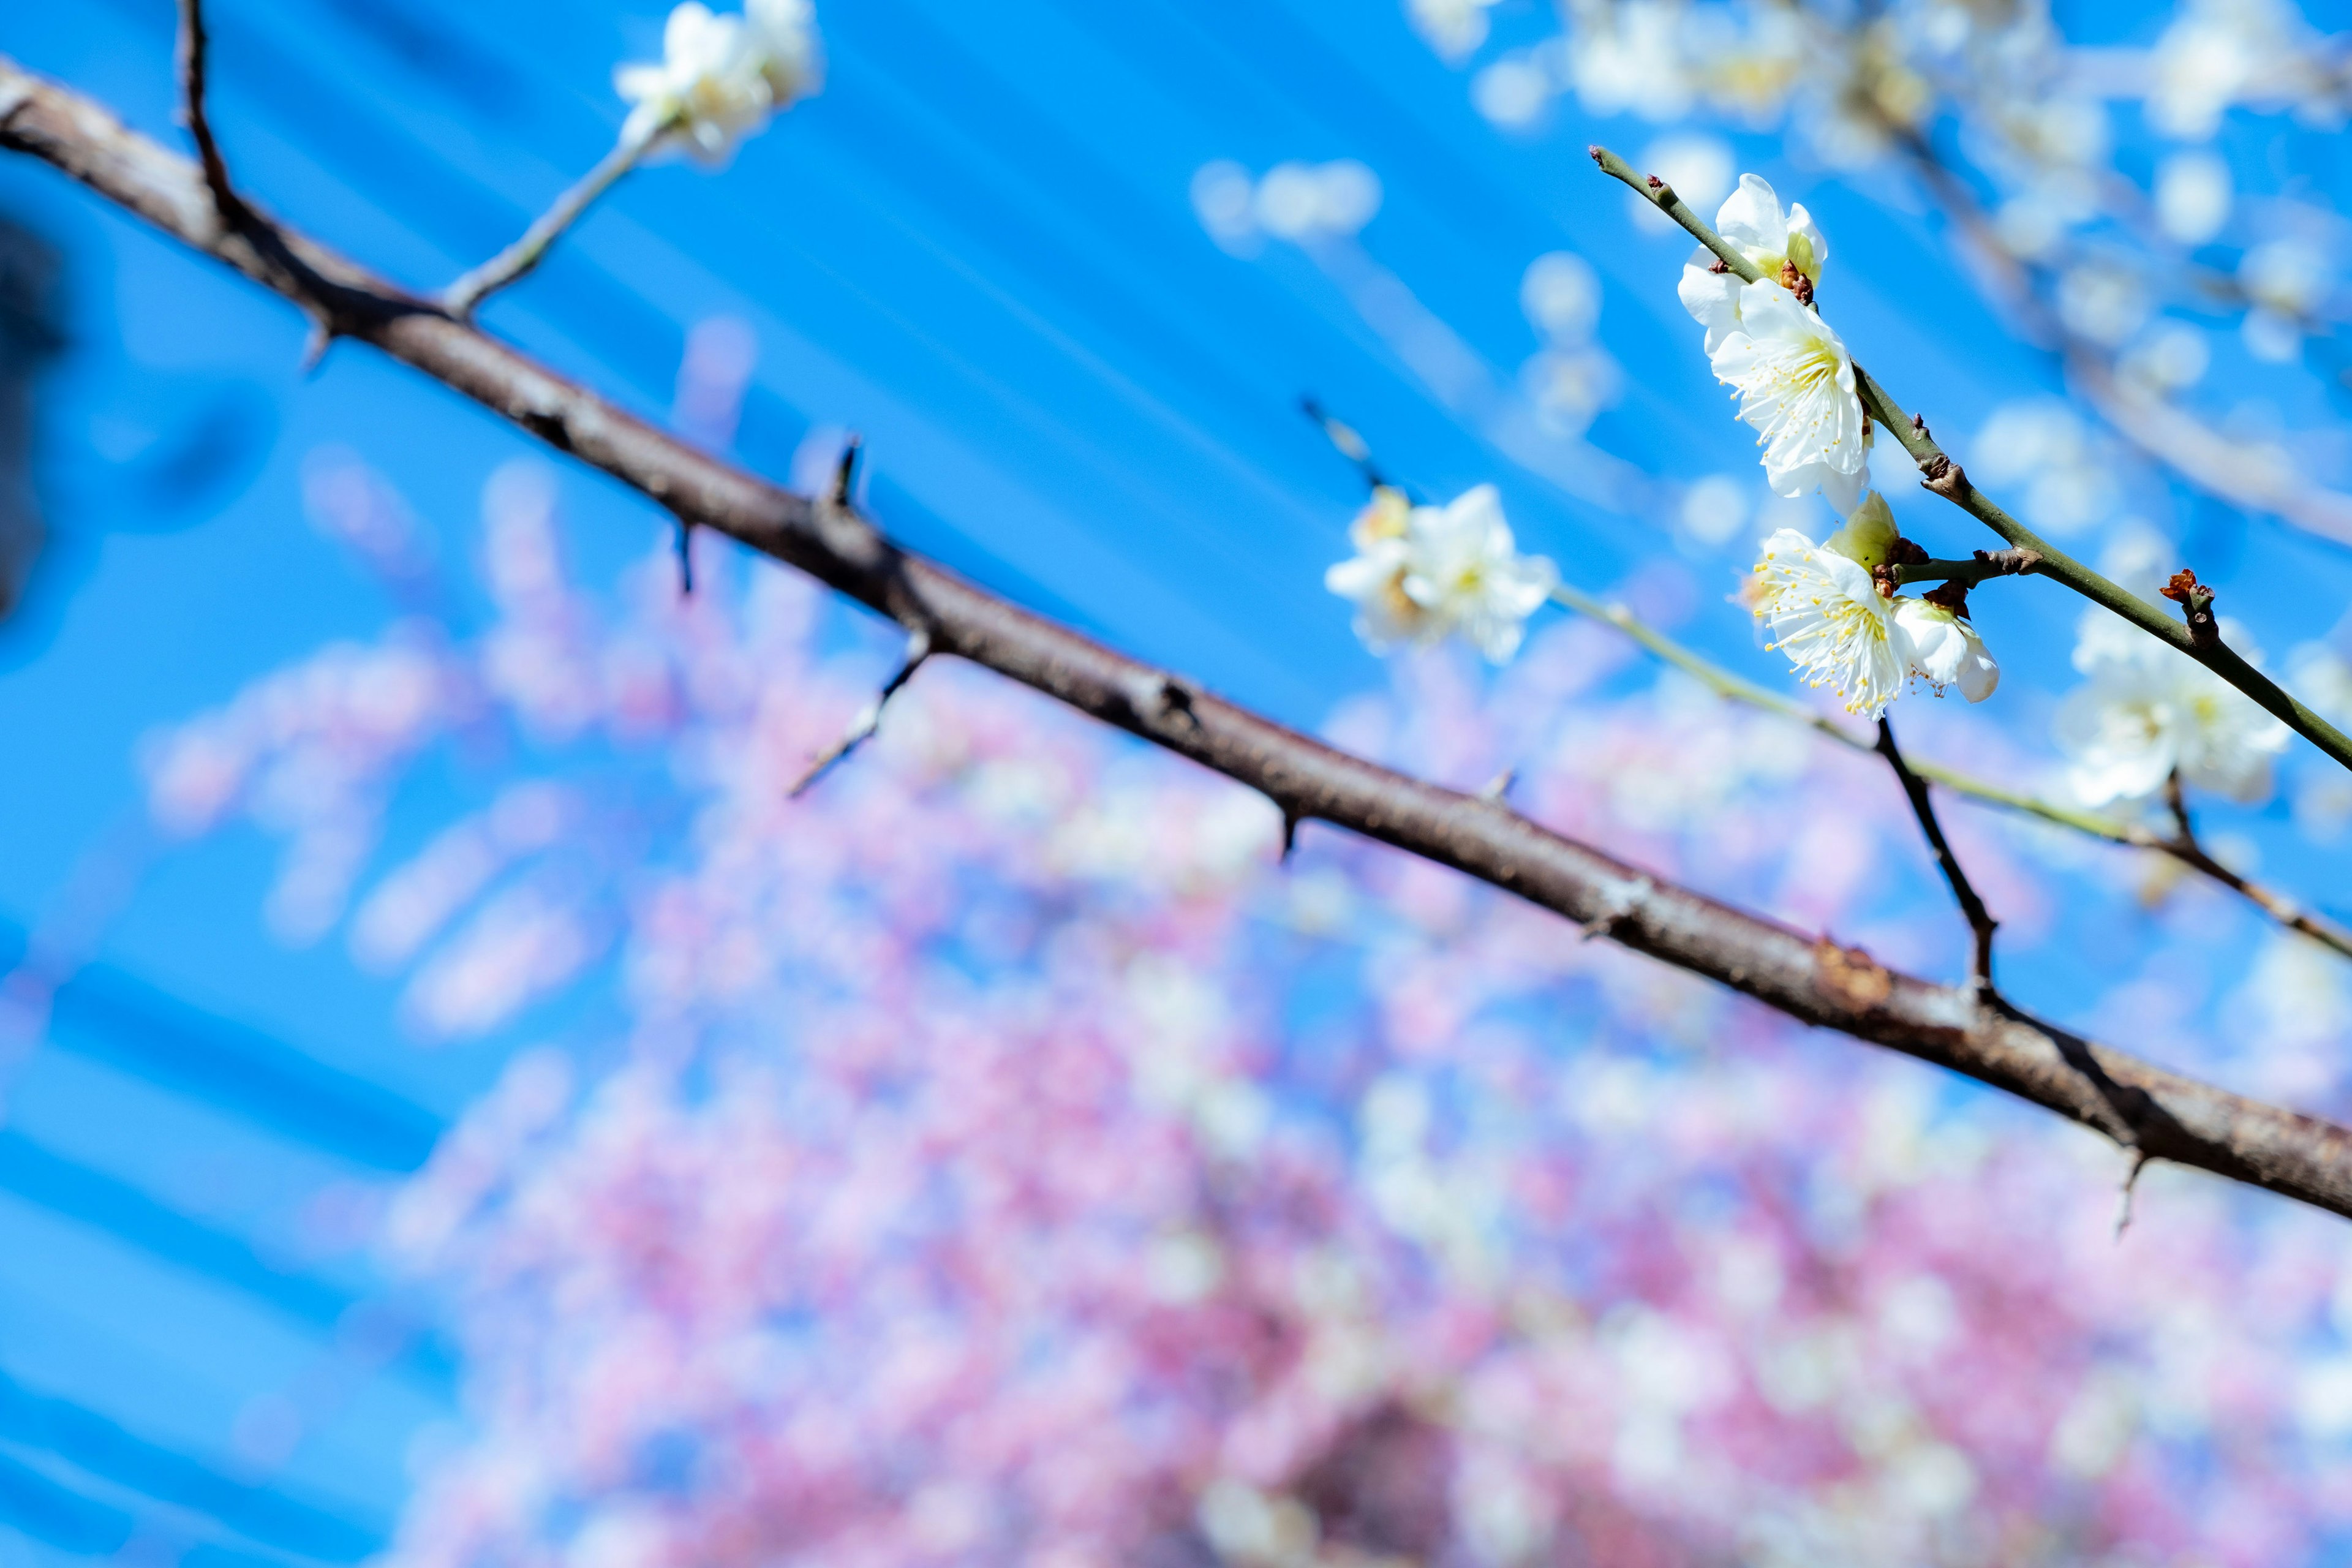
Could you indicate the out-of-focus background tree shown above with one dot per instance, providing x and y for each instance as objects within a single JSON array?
[{"x": 455, "y": 1104}]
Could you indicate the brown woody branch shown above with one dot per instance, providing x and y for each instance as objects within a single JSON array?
[
  {"x": 191, "y": 54},
  {"x": 2157, "y": 1114},
  {"x": 1972, "y": 909}
]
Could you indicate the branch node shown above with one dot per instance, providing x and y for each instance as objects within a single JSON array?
[
  {"x": 1850, "y": 976},
  {"x": 2196, "y": 601},
  {"x": 1622, "y": 907},
  {"x": 1943, "y": 476},
  {"x": 869, "y": 718},
  {"x": 1156, "y": 698}
]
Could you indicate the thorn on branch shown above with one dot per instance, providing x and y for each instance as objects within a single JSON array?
[
  {"x": 845, "y": 473},
  {"x": 1498, "y": 788},
  {"x": 315, "y": 346},
  {"x": 685, "y": 545},
  {"x": 2124, "y": 1198},
  {"x": 2196, "y": 601},
  {"x": 1290, "y": 821},
  {"x": 869, "y": 718}
]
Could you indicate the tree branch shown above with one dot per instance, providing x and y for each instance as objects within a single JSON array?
[
  {"x": 2250, "y": 477},
  {"x": 1980, "y": 922},
  {"x": 1946, "y": 478},
  {"x": 1723, "y": 683},
  {"x": 1809, "y": 978}
]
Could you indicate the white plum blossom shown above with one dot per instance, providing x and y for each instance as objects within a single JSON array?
[
  {"x": 1944, "y": 649},
  {"x": 2148, "y": 710},
  {"x": 1783, "y": 245},
  {"x": 721, "y": 76},
  {"x": 1826, "y": 612},
  {"x": 1420, "y": 574},
  {"x": 1796, "y": 386}
]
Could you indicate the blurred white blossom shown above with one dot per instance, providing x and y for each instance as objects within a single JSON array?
[
  {"x": 1714, "y": 509},
  {"x": 2193, "y": 195},
  {"x": 1422, "y": 574},
  {"x": 1571, "y": 379},
  {"x": 1303, "y": 204},
  {"x": 2102, "y": 300},
  {"x": 1698, "y": 165},
  {"x": 2220, "y": 53},
  {"x": 2148, "y": 709},
  {"x": 2169, "y": 357},
  {"x": 2286, "y": 279},
  {"x": 2042, "y": 445},
  {"x": 1513, "y": 91},
  {"x": 721, "y": 76},
  {"x": 1454, "y": 28}
]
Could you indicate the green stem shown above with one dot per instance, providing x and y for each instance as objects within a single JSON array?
[
  {"x": 1945, "y": 477},
  {"x": 516, "y": 261}
]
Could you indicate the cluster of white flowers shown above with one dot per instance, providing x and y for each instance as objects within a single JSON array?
[
  {"x": 1422, "y": 574},
  {"x": 1794, "y": 377},
  {"x": 1827, "y": 613},
  {"x": 2148, "y": 711},
  {"x": 721, "y": 77}
]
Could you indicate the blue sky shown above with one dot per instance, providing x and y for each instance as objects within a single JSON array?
[{"x": 978, "y": 250}]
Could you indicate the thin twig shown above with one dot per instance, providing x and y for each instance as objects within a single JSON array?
[
  {"x": 462, "y": 298},
  {"x": 1344, "y": 440},
  {"x": 1724, "y": 684},
  {"x": 2246, "y": 476},
  {"x": 1941, "y": 474},
  {"x": 869, "y": 718},
  {"x": 1980, "y": 922},
  {"x": 193, "y": 50},
  {"x": 1804, "y": 976}
]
